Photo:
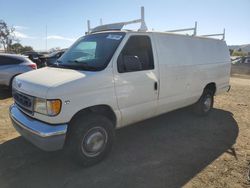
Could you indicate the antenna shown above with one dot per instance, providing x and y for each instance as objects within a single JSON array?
[
  {"x": 46, "y": 38},
  {"x": 194, "y": 29},
  {"x": 219, "y": 34},
  {"x": 119, "y": 25},
  {"x": 88, "y": 25}
]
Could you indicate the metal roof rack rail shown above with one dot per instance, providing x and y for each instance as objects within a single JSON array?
[
  {"x": 219, "y": 34},
  {"x": 186, "y": 29},
  {"x": 119, "y": 25}
]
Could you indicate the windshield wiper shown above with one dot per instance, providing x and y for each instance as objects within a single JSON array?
[
  {"x": 60, "y": 64},
  {"x": 74, "y": 64},
  {"x": 81, "y": 65},
  {"x": 56, "y": 64},
  {"x": 73, "y": 61},
  {"x": 58, "y": 61}
]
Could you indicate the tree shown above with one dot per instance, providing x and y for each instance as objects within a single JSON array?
[
  {"x": 231, "y": 51},
  {"x": 27, "y": 49},
  {"x": 19, "y": 49},
  {"x": 239, "y": 53},
  {"x": 6, "y": 35},
  {"x": 16, "y": 48}
]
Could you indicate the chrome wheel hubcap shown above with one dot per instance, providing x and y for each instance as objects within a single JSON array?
[{"x": 94, "y": 141}]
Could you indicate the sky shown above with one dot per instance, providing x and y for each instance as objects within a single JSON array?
[{"x": 66, "y": 20}]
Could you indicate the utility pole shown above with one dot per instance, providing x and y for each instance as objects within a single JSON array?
[{"x": 46, "y": 37}]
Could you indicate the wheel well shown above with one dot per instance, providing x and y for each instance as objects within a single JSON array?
[
  {"x": 104, "y": 110},
  {"x": 11, "y": 79},
  {"x": 211, "y": 87}
]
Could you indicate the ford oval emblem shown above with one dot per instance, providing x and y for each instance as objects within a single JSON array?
[{"x": 19, "y": 84}]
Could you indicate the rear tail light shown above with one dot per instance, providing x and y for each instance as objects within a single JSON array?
[{"x": 33, "y": 66}]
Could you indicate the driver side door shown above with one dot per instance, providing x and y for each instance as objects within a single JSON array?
[{"x": 136, "y": 86}]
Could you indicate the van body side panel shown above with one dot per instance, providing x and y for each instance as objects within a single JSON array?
[{"x": 187, "y": 64}]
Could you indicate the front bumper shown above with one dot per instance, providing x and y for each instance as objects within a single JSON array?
[{"x": 45, "y": 136}]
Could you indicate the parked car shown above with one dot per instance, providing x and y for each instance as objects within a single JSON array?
[
  {"x": 111, "y": 79},
  {"x": 236, "y": 60},
  {"x": 12, "y": 65},
  {"x": 51, "y": 58},
  {"x": 36, "y": 58},
  {"x": 246, "y": 59},
  {"x": 243, "y": 59}
]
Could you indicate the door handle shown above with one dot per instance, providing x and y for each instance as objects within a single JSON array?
[{"x": 156, "y": 86}]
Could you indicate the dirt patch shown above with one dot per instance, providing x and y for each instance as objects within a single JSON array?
[
  {"x": 6, "y": 130},
  {"x": 230, "y": 169},
  {"x": 173, "y": 150},
  {"x": 240, "y": 69}
]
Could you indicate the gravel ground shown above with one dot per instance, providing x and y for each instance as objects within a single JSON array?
[{"x": 173, "y": 150}]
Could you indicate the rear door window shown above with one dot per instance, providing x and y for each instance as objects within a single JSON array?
[{"x": 4, "y": 60}]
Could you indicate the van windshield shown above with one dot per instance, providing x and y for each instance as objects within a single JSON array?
[{"x": 91, "y": 52}]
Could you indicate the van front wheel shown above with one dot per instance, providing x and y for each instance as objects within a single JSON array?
[
  {"x": 204, "y": 104},
  {"x": 91, "y": 138}
]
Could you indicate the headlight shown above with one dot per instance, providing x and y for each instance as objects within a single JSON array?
[
  {"x": 40, "y": 106},
  {"x": 47, "y": 107}
]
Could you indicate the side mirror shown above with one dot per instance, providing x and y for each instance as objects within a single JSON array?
[{"x": 131, "y": 63}]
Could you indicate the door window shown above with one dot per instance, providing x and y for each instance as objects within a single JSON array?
[{"x": 136, "y": 55}]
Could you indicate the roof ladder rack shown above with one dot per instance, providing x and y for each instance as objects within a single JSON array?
[
  {"x": 119, "y": 25},
  {"x": 219, "y": 34},
  {"x": 186, "y": 29}
]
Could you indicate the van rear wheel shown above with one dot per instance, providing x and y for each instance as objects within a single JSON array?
[
  {"x": 205, "y": 103},
  {"x": 91, "y": 138}
]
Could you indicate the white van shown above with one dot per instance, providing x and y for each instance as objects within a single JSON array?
[{"x": 110, "y": 79}]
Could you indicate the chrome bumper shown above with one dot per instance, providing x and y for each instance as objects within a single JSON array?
[{"x": 45, "y": 136}]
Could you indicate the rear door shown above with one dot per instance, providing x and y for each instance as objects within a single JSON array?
[
  {"x": 8, "y": 68},
  {"x": 137, "y": 87}
]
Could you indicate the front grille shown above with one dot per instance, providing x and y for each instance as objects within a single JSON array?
[{"x": 23, "y": 101}]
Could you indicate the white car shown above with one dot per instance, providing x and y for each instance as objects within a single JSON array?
[
  {"x": 247, "y": 60},
  {"x": 111, "y": 79},
  {"x": 12, "y": 65}
]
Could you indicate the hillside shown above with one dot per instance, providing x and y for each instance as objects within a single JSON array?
[{"x": 244, "y": 47}]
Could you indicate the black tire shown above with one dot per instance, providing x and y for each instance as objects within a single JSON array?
[
  {"x": 204, "y": 105},
  {"x": 81, "y": 138}
]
